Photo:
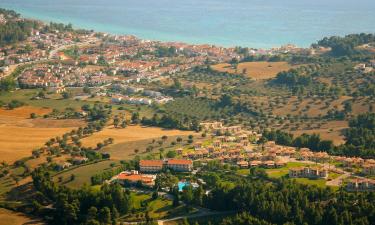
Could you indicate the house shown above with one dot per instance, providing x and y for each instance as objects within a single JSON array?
[
  {"x": 197, "y": 145},
  {"x": 360, "y": 184},
  {"x": 133, "y": 178},
  {"x": 368, "y": 169},
  {"x": 243, "y": 164},
  {"x": 268, "y": 164},
  {"x": 63, "y": 165},
  {"x": 79, "y": 160},
  {"x": 151, "y": 166},
  {"x": 308, "y": 172},
  {"x": 179, "y": 151},
  {"x": 117, "y": 99},
  {"x": 211, "y": 125},
  {"x": 179, "y": 165},
  {"x": 255, "y": 163},
  {"x": 280, "y": 163}
]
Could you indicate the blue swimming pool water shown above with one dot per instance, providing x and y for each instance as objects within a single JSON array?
[{"x": 181, "y": 185}]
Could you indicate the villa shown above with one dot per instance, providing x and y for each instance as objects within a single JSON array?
[
  {"x": 133, "y": 177},
  {"x": 154, "y": 166},
  {"x": 151, "y": 166},
  {"x": 360, "y": 184},
  {"x": 308, "y": 172},
  {"x": 369, "y": 169},
  {"x": 179, "y": 165}
]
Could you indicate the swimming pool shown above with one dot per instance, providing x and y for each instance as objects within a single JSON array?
[{"x": 181, "y": 185}]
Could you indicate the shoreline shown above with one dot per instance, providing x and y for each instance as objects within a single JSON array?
[{"x": 115, "y": 31}]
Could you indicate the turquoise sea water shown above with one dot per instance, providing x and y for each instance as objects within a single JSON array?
[{"x": 250, "y": 23}]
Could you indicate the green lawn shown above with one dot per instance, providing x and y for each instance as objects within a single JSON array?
[
  {"x": 6, "y": 184},
  {"x": 319, "y": 182},
  {"x": 276, "y": 172},
  {"x": 333, "y": 175},
  {"x": 137, "y": 198},
  {"x": 243, "y": 171},
  {"x": 159, "y": 208},
  {"x": 83, "y": 173},
  {"x": 25, "y": 95},
  {"x": 280, "y": 172}
]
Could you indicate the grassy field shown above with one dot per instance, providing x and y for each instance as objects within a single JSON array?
[
  {"x": 83, "y": 173},
  {"x": 332, "y": 130},
  {"x": 318, "y": 182},
  {"x": 277, "y": 172},
  {"x": 256, "y": 70},
  {"x": 158, "y": 208},
  {"x": 19, "y": 135},
  {"x": 25, "y": 96}
]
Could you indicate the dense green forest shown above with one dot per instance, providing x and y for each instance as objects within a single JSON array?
[
  {"x": 279, "y": 201},
  {"x": 345, "y": 46},
  {"x": 286, "y": 202},
  {"x": 15, "y": 29}
]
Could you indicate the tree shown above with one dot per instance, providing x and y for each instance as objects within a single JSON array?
[
  {"x": 116, "y": 121},
  {"x": 66, "y": 95},
  {"x": 105, "y": 216},
  {"x": 135, "y": 118}
]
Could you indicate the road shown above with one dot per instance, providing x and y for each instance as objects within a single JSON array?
[
  {"x": 338, "y": 180},
  {"x": 52, "y": 53}
]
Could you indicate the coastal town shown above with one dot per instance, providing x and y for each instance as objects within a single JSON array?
[{"x": 105, "y": 129}]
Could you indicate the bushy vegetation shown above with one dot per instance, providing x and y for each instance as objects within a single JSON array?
[
  {"x": 78, "y": 207},
  {"x": 14, "y": 30},
  {"x": 345, "y": 46},
  {"x": 286, "y": 202},
  {"x": 360, "y": 139}
]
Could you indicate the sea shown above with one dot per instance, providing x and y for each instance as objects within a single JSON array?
[{"x": 246, "y": 23}]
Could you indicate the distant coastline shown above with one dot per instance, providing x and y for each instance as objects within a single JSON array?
[{"x": 254, "y": 24}]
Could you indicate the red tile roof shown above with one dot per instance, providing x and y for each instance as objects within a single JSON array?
[
  {"x": 134, "y": 177},
  {"x": 180, "y": 162},
  {"x": 151, "y": 163}
]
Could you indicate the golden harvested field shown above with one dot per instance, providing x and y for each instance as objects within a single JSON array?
[
  {"x": 8, "y": 217},
  {"x": 19, "y": 135},
  {"x": 256, "y": 70},
  {"x": 130, "y": 133},
  {"x": 329, "y": 131}
]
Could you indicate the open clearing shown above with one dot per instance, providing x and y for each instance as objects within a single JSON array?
[
  {"x": 332, "y": 130},
  {"x": 8, "y": 217},
  {"x": 131, "y": 133},
  {"x": 19, "y": 135},
  {"x": 256, "y": 70},
  {"x": 83, "y": 173}
]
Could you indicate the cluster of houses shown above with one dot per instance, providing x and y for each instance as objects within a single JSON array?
[
  {"x": 218, "y": 127},
  {"x": 60, "y": 76},
  {"x": 367, "y": 166},
  {"x": 46, "y": 75},
  {"x": 137, "y": 95}
]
